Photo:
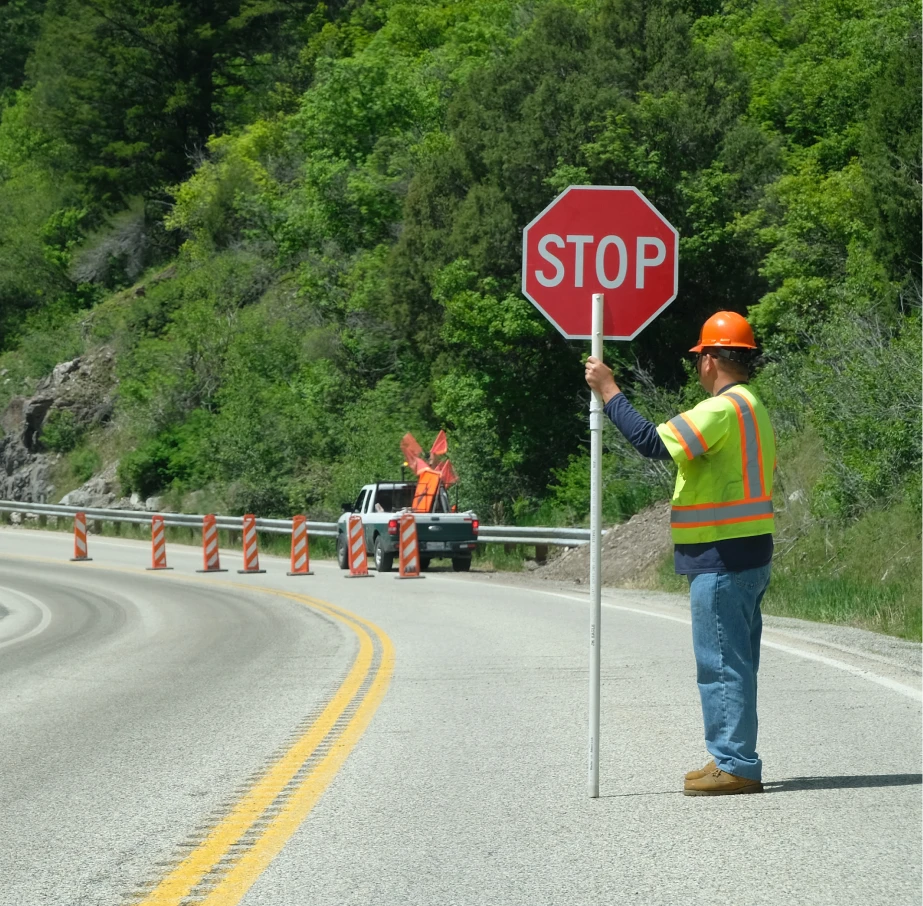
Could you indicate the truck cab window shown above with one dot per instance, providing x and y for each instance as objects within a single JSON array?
[
  {"x": 360, "y": 502},
  {"x": 393, "y": 499}
]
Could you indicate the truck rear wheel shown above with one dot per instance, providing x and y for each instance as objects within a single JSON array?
[
  {"x": 384, "y": 562},
  {"x": 461, "y": 564}
]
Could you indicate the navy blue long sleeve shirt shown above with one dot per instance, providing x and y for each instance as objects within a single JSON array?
[
  {"x": 731, "y": 555},
  {"x": 638, "y": 431}
]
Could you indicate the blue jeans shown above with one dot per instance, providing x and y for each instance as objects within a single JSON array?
[{"x": 726, "y": 629}]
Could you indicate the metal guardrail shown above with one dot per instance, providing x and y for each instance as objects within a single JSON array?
[
  {"x": 513, "y": 534},
  {"x": 493, "y": 534}
]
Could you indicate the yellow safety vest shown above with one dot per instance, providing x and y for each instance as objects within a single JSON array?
[{"x": 726, "y": 453}]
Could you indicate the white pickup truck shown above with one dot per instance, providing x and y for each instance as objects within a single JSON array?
[{"x": 440, "y": 532}]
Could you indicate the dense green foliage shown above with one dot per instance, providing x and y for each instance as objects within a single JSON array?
[{"x": 324, "y": 205}]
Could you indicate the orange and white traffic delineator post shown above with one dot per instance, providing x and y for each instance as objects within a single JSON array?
[
  {"x": 251, "y": 547},
  {"x": 212, "y": 563},
  {"x": 158, "y": 545},
  {"x": 80, "y": 538},
  {"x": 355, "y": 538},
  {"x": 301, "y": 560},
  {"x": 409, "y": 549}
]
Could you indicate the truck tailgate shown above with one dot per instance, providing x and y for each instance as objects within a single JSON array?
[{"x": 433, "y": 531}]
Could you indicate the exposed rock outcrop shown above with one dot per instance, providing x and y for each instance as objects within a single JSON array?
[
  {"x": 84, "y": 387},
  {"x": 100, "y": 491},
  {"x": 23, "y": 475}
]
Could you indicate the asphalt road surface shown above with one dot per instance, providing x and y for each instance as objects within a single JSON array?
[{"x": 174, "y": 738}]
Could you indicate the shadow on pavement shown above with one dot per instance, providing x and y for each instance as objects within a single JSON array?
[{"x": 794, "y": 784}]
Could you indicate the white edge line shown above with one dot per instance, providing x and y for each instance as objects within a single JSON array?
[
  {"x": 893, "y": 685},
  {"x": 44, "y": 623}
]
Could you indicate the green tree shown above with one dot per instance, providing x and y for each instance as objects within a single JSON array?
[
  {"x": 20, "y": 21},
  {"x": 137, "y": 87},
  {"x": 891, "y": 159}
]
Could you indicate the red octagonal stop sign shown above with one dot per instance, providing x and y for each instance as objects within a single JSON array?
[{"x": 600, "y": 239}]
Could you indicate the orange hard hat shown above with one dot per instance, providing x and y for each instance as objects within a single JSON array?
[{"x": 725, "y": 328}]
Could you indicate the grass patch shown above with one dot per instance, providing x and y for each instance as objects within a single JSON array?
[
  {"x": 866, "y": 574},
  {"x": 666, "y": 579},
  {"x": 508, "y": 558},
  {"x": 890, "y": 608}
]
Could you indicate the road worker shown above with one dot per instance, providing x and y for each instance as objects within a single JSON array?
[{"x": 722, "y": 524}]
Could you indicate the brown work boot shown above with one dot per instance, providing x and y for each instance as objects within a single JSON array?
[
  {"x": 709, "y": 767},
  {"x": 720, "y": 783}
]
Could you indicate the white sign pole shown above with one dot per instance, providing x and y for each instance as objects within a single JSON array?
[{"x": 596, "y": 462}]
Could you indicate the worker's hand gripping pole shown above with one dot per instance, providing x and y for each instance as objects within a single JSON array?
[{"x": 596, "y": 442}]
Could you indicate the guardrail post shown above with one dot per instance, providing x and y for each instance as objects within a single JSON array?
[{"x": 541, "y": 553}]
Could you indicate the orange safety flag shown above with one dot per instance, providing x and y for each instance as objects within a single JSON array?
[
  {"x": 412, "y": 450},
  {"x": 301, "y": 558},
  {"x": 425, "y": 494},
  {"x": 251, "y": 547},
  {"x": 409, "y": 549},
  {"x": 440, "y": 446},
  {"x": 80, "y": 538},
  {"x": 210, "y": 558},
  {"x": 447, "y": 473},
  {"x": 158, "y": 545},
  {"x": 355, "y": 539},
  {"x": 409, "y": 447}
]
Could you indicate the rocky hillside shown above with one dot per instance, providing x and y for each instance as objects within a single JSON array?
[{"x": 76, "y": 397}]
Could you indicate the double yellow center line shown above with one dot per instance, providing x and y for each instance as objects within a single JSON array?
[{"x": 223, "y": 867}]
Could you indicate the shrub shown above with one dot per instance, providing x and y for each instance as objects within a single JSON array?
[
  {"x": 173, "y": 455},
  {"x": 60, "y": 432},
  {"x": 84, "y": 463}
]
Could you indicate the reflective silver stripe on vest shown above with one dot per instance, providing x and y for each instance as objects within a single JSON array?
[
  {"x": 687, "y": 434},
  {"x": 751, "y": 445},
  {"x": 712, "y": 515}
]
